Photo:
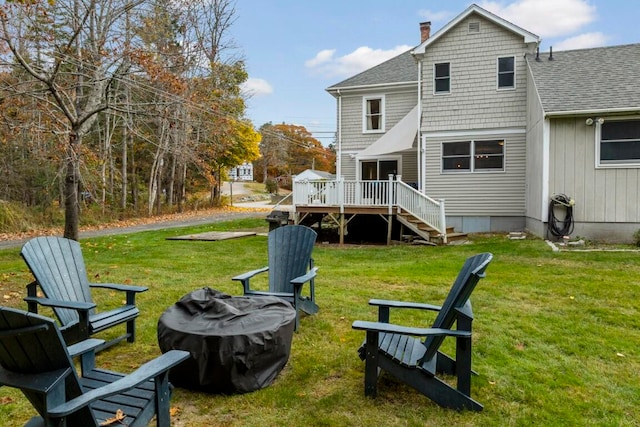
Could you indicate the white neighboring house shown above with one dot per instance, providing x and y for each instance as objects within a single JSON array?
[{"x": 244, "y": 172}]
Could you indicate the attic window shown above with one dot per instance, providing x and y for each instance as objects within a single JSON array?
[{"x": 474, "y": 27}]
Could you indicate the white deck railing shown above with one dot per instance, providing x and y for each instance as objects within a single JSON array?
[{"x": 391, "y": 193}]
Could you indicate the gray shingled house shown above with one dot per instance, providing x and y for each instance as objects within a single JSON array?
[{"x": 473, "y": 130}]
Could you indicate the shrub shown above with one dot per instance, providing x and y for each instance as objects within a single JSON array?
[
  {"x": 636, "y": 237},
  {"x": 271, "y": 186}
]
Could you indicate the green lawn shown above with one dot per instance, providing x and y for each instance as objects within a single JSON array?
[{"x": 556, "y": 335}]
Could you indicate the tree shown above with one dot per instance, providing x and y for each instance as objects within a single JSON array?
[
  {"x": 290, "y": 149},
  {"x": 78, "y": 55}
]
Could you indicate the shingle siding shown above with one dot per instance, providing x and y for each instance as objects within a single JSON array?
[{"x": 474, "y": 101}]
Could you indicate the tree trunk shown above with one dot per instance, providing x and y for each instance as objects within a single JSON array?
[{"x": 72, "y": 180}]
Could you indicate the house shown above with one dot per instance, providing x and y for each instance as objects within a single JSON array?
[
  {"x": 487, "y": 130},
  {"x": 243, "y": 172}
]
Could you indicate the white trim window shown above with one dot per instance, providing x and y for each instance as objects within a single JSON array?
[
  {"x": 442, "y": 78},
  {"x": 618, "y": 143},
  {"x": 473, "y": 156},
  {"x": 506, "y": 78},
  {"x": 373, "y": 114}
]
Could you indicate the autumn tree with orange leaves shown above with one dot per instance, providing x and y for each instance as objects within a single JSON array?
[{"x": 287, "y": 150}]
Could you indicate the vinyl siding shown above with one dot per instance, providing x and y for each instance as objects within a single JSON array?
[
  {"x": 474, "y": 101},
  {"x": 601, "y": 195},
  {"x": 479, "y": 193},
  {"x": 534, "y": 153},
  {"x": 397, "y": 105}
]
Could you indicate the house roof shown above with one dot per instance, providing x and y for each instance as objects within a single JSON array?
[
  {"x": 313, "y": 174},
  {"x": 588, "y": 80},
  {"x": 529, "y": 37},
  {"x": 399, "y": 69},
  {"x": 402, "y": 68}
]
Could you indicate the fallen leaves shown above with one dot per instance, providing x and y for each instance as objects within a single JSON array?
[{"x": 118, "y": 418}]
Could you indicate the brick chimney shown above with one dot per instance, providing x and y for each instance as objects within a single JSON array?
[{"x": 425, "y": 31}]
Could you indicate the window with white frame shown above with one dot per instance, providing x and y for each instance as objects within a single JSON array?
[
  {"x": 373, "y": 117},
  {"x": 619, "y": 143},
  {"x": 473, "y": 156},
  {"x": 442, "y": 78},
  {"x": 507, "y": 72}
]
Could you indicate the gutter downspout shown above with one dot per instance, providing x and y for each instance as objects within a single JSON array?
[{"x": 421, "y": 165}]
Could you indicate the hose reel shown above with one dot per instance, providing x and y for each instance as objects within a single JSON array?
[{"x": 561, "y": 227}]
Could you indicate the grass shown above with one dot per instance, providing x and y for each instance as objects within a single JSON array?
[{"x": 555, "y": 338}]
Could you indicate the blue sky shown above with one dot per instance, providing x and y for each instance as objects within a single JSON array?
[{"x": 295, "y": 49}]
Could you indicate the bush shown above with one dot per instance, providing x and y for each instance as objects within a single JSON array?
[
  {"x": 271, "y": 186},
  {"x": 636, "y": 237}
]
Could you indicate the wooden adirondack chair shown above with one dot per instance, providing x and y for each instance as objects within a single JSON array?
[
  {"x": 290, "y": 267},
  {"x": 58, "y": 267},
  {"x": 35, "y": 359},
  {"x": 400, "y": 350}
]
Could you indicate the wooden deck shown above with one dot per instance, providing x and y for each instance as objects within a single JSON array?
[{"x": 342, "y": 200}]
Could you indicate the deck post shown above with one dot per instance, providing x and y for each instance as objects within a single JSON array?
[
  {"x": 341, "y": 228},
  {"x": 443, "y": 222}
]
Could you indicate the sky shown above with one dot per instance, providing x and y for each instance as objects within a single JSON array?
[{"x": 295, "y": 49}]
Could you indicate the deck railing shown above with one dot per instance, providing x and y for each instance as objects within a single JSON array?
[{"x": 352, "y": 193}]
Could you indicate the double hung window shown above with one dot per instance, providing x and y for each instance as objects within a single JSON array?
[
  {"x": 373, "y": 117},
  {"x": 473, "y": 156},
  {"x": 507, "y": 72},
  {"x": 442, "y": 78}
]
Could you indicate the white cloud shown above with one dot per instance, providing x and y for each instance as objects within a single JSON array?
[
  {"x": 582, "y": 41},
  {"x": 362, "y": 58},
  {"x": 432, "y": 16},
  {"x": 256, "y": 87},
  {"x": 546, "y": 18},
  {"x": 322, "y": 57}
]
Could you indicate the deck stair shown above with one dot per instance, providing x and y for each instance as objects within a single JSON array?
[{"x": 427, "y": 232}]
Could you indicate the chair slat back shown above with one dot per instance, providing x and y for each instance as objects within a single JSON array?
[
  {"x": 58, "y": 266},
  {"x": 289, "y": 252},
  {"x": 32, "y": 344},
  {"x": 472, "y": 271}
]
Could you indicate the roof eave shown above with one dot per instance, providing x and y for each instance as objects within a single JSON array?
[
  {"x": 593, "y": 111},
  {"x": 335, "y": 89}
]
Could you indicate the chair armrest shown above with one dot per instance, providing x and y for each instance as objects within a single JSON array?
[
  {"x": 73, "y": 305},
  {"x": 119, "y": 287},
  {"x": 244, "y": 278},
  {"x": 83, "y": 347},
  {"x": 145, "y": 372},
  {"x": 403, "y": 304},
  {"x": 250, "y": 274},
  {"x": 306, "y": 277},
  {"x": 406, "y": 330}
]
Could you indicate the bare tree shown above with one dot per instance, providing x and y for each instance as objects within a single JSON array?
[{"x": 79, "y": 54}]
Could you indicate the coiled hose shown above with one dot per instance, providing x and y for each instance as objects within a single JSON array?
[{"x": 564, "y": 227}]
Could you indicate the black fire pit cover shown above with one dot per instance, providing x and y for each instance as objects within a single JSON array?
[{"x": 237, "y": 344}]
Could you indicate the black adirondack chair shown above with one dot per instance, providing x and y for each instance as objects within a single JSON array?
[
  {"x": 402, "y": 352},
  {"x": 59, "y": 270},
  {"x": 290, "y": 267},
  {"x": 35, "y": 359}
]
